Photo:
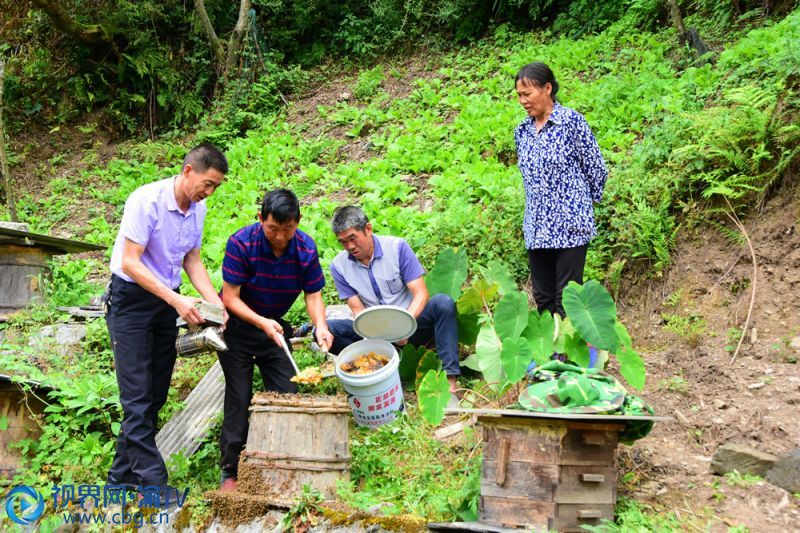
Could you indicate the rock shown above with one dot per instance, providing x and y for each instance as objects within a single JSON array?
[
  {"x": 338, "y": 312},
  {"x": 718, "y": 421},
  {"x": 757, "y": 385},
  {"x": 682, "y": 418},
  {"x": 63, "y": 336},
  {"x": 745, "y": 460},
  {"x": 795, "y": 344},
  {"x": 720, "y": 404},
  {"x": 786, "y": 472},
  {"x": 18, "y": 226}
]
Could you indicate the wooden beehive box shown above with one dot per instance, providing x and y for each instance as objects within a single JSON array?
[
  {"x": 548, "y": 474},
  {"x": 294, "y": 440},
  {"x": 19, "y": 410}
]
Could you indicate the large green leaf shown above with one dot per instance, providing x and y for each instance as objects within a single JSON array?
[
  {"x": 487, "y": 349},
  {"x": 515, "y": 358},
  {"x": 471, "y": 362},
  {"x": 593, "y": 313},
  {"x": 433, "y": 395},
  {"x": 428, "y": 361},
  {"x": 468, "y": 328},
  {"x": 577, "y": 350},
  {"x": 622, "y": 334},
  {"x": 448, "y": 273},
  {"x": 409, "y": 360},
  {"x": 565, "y": 329},
  {"x": 496, "y": 272},
  {"x": 631, "y": 366},
  {"x": 539, "y": 335},
  {"x": 511, "y": 315},
  {"x": 479, "y": 294}
]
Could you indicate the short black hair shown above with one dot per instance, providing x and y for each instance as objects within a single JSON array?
[
  {"x": 282, "y": 204},
  {"x": 540, "y": 75},
  {"x": 206, "y": 156}
]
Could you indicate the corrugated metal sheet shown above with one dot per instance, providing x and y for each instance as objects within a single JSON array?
[{"x": 186, "y": 430}]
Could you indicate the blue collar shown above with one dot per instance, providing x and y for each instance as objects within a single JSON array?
[{"x": 557, "y": 116}]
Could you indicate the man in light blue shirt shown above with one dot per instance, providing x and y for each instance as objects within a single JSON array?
[{"x": 377, "y": 270}]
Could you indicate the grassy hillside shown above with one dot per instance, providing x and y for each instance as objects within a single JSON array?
[{"x": 431, "y": 157}]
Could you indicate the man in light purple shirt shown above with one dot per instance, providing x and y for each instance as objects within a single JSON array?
[{"x": 160, "y": 234}]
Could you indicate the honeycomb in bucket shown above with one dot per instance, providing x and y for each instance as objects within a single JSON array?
[{"x": 365, "y": 364}]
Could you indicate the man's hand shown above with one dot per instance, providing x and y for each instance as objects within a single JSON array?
[
  {"x": 184, "y": 305},
  {"x": 273, "y": 330},
  {"x": 324, "y": 338}
]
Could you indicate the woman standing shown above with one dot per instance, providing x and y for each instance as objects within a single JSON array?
[{"x": 563, "y": 174}]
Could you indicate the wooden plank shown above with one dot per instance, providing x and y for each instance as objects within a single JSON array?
[
  {"x": 308, "y": 402},
  {"x": 570, "y": 517},
  {"x": 523, "y": 481},
  {"x": 533, "y": 443},
  {"x": 478, "y": 527},
  {"x": 54, "y": 244},
  {"x": 589, "y": 447},
  {"x": 453, "y": 429},
  {"x": 587, "y": 484},
  {"x": 516, "y": 513},
  {"x": 502, "y": 463},
  {"x": 512, "y": 413}
]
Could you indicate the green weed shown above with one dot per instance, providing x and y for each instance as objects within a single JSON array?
[
  {"x": 688, "y": 327},
  {"x": 735, "y": 479},
  {"x": 675, "y": 384}
]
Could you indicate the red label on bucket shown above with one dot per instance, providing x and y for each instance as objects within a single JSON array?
[{"x": 376, "y": 410}]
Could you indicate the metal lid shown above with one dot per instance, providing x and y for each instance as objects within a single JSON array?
[{"x": 387, "y": 322}]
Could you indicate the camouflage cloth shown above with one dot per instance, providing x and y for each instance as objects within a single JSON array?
[{"x": 560, "y": 387}]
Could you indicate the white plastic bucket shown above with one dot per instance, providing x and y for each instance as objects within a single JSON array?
[{"x": 375, "y": 398}]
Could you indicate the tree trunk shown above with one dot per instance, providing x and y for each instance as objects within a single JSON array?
[
  {"x": 237, "y": 36},
  {"x": 12, "y": 209},
  {"x": 691, "y": 36},
  {"x": 216, "y": 45},
  {"x": 93, "y": 35},
  {"x": 677, "y": 19}
]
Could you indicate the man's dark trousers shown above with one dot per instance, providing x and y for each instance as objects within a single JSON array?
[
  {"x": 142, "y": 329},
  {"x": 437, "y": 322},
  {"x": 248, "y": 346}
]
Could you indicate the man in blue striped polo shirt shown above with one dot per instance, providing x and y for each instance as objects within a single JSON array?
[
  {"x": 382, "y": 270},
  {"x": 266, "y": 266}
]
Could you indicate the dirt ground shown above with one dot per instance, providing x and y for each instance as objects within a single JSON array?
[{"x": 752, "y": 400}]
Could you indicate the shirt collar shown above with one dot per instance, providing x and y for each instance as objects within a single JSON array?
[
  {"x": 172, "y": 202},
  {"x": 556, "y": 116}
]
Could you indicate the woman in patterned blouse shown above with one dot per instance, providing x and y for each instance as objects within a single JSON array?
[{"x": 563, "y": 174}]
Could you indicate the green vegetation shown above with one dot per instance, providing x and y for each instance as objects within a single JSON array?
[
  {"x": 510, "y": 336},
  {"x": 436, "y": 165}
]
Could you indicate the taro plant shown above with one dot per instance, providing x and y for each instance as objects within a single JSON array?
[{"x": 510, "y": 336}]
